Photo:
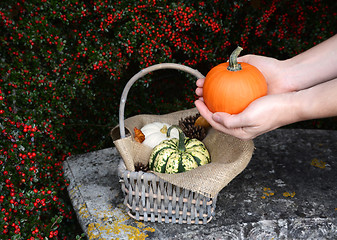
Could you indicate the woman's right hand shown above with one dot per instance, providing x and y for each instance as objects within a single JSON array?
[{"x": 274, "y": 71}]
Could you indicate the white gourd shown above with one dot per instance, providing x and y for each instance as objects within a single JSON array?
[{"x": 155, "y": 133}]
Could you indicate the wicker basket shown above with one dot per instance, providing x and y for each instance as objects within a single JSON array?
[{"x": 149, "y": 198}]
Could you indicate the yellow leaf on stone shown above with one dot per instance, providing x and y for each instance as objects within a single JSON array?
[
  {"x": 287, "y": 194},
  {"x": 267, "y": 192},
  {"x": 318, "y": 163}
]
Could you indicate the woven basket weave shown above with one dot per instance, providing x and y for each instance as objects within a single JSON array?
[{"x": 149, "y": 198}]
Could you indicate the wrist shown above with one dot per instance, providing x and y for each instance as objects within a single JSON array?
[
  {"x": 292, "y": 108},
  {"x": 315, "y": 102},
  {"x": 289, "y": 73}
]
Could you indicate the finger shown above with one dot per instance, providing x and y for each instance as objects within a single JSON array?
[
  {"x": 237, "y": 125},
  {"x": 203, "y": 110},
  {"x": 200, "y": 82},
  {"x": 244, "y": 58},
  {"x": 221, "y": 125},
  {"x": 199, "y": 91},
  {"x": 208, "y": 115},
  {"x": 213, "y": 119},
  {"x": 239, "y": 132},
  {"x": 229, "y": 120}
]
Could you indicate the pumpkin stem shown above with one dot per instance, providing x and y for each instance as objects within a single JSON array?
[
  {"x": 181, "y": 140},
  {"x": 233, "y": 61}
]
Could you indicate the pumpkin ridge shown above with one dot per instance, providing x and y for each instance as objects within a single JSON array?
[
  {"x": 163, "y": 168},
  {"x": 189, "y": 162},
  {"x": 171, "y": 166},
  {"x": 154, "y": 156},
  {"x": 196, "y": 159},
  {"x": 181, "y": 167},
  {"x": 164, "y": 161},
  {"x": 193, "y": 144},
  {"x": 203, "y": 159},
  {"x": 172, "y": 142},
  {"x": 199, "y": 150}
]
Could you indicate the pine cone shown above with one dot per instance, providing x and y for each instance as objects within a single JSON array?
[
  {"x": 188, "y": 127},
  {"x": 141, "y": 167}
]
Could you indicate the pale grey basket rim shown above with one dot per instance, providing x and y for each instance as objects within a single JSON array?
[{"x": 142, "y": 73}]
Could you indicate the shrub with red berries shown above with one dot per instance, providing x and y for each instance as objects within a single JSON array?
[{"x": 64, "y": 64}]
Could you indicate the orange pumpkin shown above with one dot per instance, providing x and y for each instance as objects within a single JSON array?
[{"x": 230, "y": 87}]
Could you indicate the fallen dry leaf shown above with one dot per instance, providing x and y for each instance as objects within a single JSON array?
[{"x": 139, "y": 136}]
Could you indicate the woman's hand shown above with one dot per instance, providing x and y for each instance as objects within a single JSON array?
[
  {"x": 262, "y": 115},
  {"x": 274, "y": 71}
]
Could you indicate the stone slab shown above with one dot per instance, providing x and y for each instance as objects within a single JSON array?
[{"x": 288, "y": 191}]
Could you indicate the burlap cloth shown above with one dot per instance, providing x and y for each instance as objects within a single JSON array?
[{"x": 229, "y": 155}]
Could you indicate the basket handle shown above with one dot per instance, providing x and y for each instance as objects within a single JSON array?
[{"x": 142, "y": 73}]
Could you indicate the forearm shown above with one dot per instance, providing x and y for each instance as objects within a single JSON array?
[
  {"x": 313, "y": 66},
  {"x": 319, "y": 101}
]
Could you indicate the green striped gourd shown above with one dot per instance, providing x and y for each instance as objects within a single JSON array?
[{"x": 178, "y": 155}]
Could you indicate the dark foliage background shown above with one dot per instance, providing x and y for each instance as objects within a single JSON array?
[{"x": 64, "y": 64}]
